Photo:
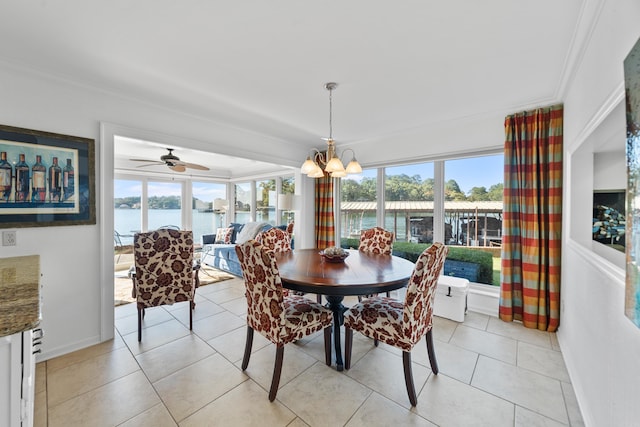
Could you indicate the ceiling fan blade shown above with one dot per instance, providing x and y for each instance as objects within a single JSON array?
[
  {"x": 151, "y": 164},
  {"x": 195, "y": 166},
  {"x": 156, "y": 162},
  {"x": 177, "y": 168}
]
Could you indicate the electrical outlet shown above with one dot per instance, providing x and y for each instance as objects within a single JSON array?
[{"x": 8, "y": 238}]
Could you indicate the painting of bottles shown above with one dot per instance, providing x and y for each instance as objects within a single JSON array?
[
  {"x": 46, "y": 179},
  {"x": 37, "y": 177}
]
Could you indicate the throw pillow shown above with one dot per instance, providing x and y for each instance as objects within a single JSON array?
[
  {"x": 249, "y": 231},
  {"x": 223, "y": 235},
  {"x": 208, "y": 239},
  {"x": 236, "y": 230}
]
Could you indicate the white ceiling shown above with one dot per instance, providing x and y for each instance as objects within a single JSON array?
[
  {"x": 221, "y": 166},
  {"x": 261, "y": 65}
]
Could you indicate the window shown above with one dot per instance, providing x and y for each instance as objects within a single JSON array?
[
  {"x": 473, "y": 201},
  {"x": 358, "y": 203},
  {"x": 409, "y": 192},
  {"x": 458, "y": 201},
  {"x": 164, "y": 201},
  {"x": 266, "y": 201},
  {"x": 127, "y": 218},
  {"x": 204, "y": 219},
  {"x": 243, "y": 203}
]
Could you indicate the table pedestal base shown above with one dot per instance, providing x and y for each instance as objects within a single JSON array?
[{"x": 335, "y": 305}]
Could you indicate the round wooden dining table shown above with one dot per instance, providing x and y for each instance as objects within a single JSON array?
[{"x": 361, "y": 273}]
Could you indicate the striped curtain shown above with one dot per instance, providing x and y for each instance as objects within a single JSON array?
[
  {"x": 325, "y": 228},
  {"x": 530, "y": 277}
]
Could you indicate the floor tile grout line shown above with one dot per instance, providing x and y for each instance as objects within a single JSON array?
[
  {"x": 151, "y": 384},
  {"x": 111, "y": 381},
  {"x": 515, "y": 403},
  {"x": 296, "y": 416},
  {"x": 371, "y": 391}
]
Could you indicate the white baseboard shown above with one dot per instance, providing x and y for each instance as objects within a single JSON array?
[
  {"x": 66, "y": 349},
  {"x": 483, "y": 299}
]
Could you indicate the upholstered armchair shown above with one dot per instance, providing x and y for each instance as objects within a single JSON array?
[
  {"x": 401, "y": 324},
  {"x": 164, "y": 272},
  {"x": 281, "y": 319}
]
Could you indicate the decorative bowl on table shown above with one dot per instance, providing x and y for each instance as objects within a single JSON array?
[{"x": 334, "y": 254}]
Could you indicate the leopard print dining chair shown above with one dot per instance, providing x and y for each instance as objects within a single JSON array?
[
  {"x": 164, "y": 272},
  {"x": 275, "y": 239},
  {"x": 281, "y": 319},
  {"x": 376, "y": 240},
  {"x": 401, "y": 324}
]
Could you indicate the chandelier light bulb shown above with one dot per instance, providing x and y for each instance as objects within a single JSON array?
[
  {"x": 317, "y": 173},
  {"x": 308, "y": 166},
  {"x": 354, "y": 168},
  {"x": 334, "y": 165}
]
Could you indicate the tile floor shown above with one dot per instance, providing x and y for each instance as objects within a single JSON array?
[{"x": 491, "y": 374}]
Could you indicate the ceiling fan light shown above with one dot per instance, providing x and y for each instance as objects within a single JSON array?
[
  {"x": 354, "y": 167},
  {"x": 334, "y": 165},
  {"x": 308, "y": 166}
]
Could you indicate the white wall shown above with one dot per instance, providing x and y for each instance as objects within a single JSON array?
[
  {"x": 71, "y": 260},
  {"x": 609, "y": 170},
  {"x": 600, "y": 345}
]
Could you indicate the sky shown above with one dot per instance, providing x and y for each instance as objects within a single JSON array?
[{"x": 468, "y": 173}]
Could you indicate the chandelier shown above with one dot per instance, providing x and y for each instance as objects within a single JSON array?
[{"x": 331, "y": 161}]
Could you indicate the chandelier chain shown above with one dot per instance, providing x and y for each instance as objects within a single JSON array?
[{"x": 330, "y": 113}]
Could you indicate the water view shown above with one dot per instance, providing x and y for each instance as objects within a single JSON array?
[{"x": 127, "y": 222}]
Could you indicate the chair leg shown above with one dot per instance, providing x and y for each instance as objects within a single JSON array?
[
  {"x": 327, "y": 345},
  {"x": 277, "y": 370},
  {"x": 191, "y": 306},
  {"x": 432, "y": 353},
  {"x": 408, "y": 378},
  {"x": 348, "y": 344},
  {"x": 140, "y": 311},
  {"x": 247, "y": 348}
]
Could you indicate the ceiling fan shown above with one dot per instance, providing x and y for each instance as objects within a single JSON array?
[{"x": 172, "y": 161}]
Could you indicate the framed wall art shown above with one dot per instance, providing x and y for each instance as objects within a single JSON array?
[
  {"x": 609, "y": 222},
  {"x": 46, "y": 179}
]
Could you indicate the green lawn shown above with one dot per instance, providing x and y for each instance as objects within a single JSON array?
[{"x": 496, "y": 271}]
